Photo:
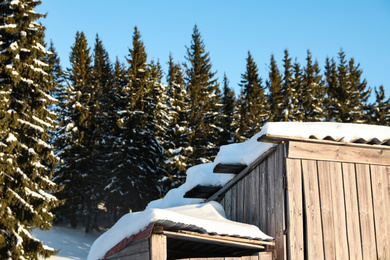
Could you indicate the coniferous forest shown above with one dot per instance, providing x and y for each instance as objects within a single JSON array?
[{"x": 94, "y": 141}]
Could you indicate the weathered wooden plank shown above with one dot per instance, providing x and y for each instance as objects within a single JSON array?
[
  {"x": 381, "y": 210},
  {"x": 201, "y": 191},
  {"x": 313, "y": 236},
  {"x": 387, "y": 199},
  {"x": 352, "y": 211},
  {"x": 339, "y": 219},
  {"x": 240, "y": 201},
  {"x": 266, "y": 256},
  {"x": 339, "y": 153},
  {"x": 271, "y": 194},
  {"x": 136, "y": 256},
  {"x": 280, "y": 241},
  {"x": 229, "y": 168},
  {"x": 234, "y": 203},
  {"x": 363, "y": 182},
  {"x": 326, "y": 209},
  {"x": 158, "y": 247},
  {"x": 255, "y": 218},
  {"x": 263, "y": 224},
  {"x": 248, "y": 198},
  {"x": 237, "y": 242},
  {"x": 228, "y": 204},
  {"x": 222, "y": 202},
  {"x": 135, "y": 250},
  {"x": 295, "y": 212}
]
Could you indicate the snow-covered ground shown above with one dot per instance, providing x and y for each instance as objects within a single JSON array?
[{"x": 74, "y": 243}]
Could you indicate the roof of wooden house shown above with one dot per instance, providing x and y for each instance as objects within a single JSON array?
[
  {"x": 200, "y": 223},
  {"x": 205, "y": 181}
]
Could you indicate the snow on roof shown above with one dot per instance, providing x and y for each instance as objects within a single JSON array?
[
  {"x": 205, "y": 218},
  {"x": 210, "y": 217},
  {"x": 347, "y": 132}
]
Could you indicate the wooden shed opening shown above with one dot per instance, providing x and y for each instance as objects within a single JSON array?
[{"x": 183, "y": 244}]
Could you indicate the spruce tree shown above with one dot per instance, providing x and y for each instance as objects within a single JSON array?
[
  {"x": 276, "y": 97},
  {"x": 76, "y": 135},
  {"x": 379, "y": 111},
  {"x": 252, "y": 104},
  {"x": 313, "y": 91},
  {"x": 226, "y": 114},
  {"x": 134, "y": 181},
  {"x": 113, "y": 159},
  {"x": 203, "y": 91},
  {"x": 177, "y": 144},
  {"x": 346, "y": 91},
  {"x": 26, "y": 157},
  {"x": 290, "y": 90}
]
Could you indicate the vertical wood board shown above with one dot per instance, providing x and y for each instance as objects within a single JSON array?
[
  {"x": 263, "y": 225},
  {"x": 240, "y": 201},
  {"x": 271, "y": 194},
  {"x": 363, "y": 181},
  {"x": 295, "y": 212},
  {"x": 158, "y": 247},
  {"x": 381, "y": 210},
  {"x": 352, "y": 211},
  {"x": 313, "y": 236},
  {"x": 326, "y": 197},
  {"x": 228, "y": 204},
  {"x": 339, "y": 219},
  {"x": 280, "y": 238}
]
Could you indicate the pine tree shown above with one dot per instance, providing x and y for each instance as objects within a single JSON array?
[
  {"x": 228, "y": 107},
  {"x": 252, "y": 104},
  {"x": 313, "y": 91},
  {"x": 76, "y": 135},
  {"x": 26, "y": 157},
  {"x": 276, "y": 97},
  {"x": 203, "y": 90},
  {"x": 177, "y": 144}
]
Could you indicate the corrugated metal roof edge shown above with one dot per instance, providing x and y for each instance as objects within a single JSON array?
[{"x": 269, "y": 138}]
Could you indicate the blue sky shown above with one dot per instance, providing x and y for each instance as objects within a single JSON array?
[{"x": 230, "y": 29}]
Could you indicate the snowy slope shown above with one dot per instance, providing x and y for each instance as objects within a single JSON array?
[{"x": 74, "y": 243}]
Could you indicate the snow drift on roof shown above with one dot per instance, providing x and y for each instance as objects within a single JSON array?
[
  {"x": 205, "y": 218},
  {"x": 347, "y": 132}
]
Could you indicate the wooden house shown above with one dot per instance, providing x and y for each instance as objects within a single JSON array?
[{"x": 320, "y": 198}]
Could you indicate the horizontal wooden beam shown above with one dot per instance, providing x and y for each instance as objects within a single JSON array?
[
  {"x": 229, "y": 168},
  {"x": 242, "y": 243},
  {"x": 201, "y": 192},
  {"x": 368, "y": 154}
]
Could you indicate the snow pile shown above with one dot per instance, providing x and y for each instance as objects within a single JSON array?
[
  {"x": 198, "y": 175},
  {"x": 347, "y": 132},
  {"x": 207, "y": 218}
]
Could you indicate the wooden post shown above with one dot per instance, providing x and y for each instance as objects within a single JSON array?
[{"x": 158, "y": 247}]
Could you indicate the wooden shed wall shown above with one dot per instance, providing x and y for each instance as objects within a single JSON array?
[
  {"x": 260, "y": 256},
  {"x": 331, "y": 208},
  {"x": 258, "y": 199},
  {"x": 338, "y": 210}
]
